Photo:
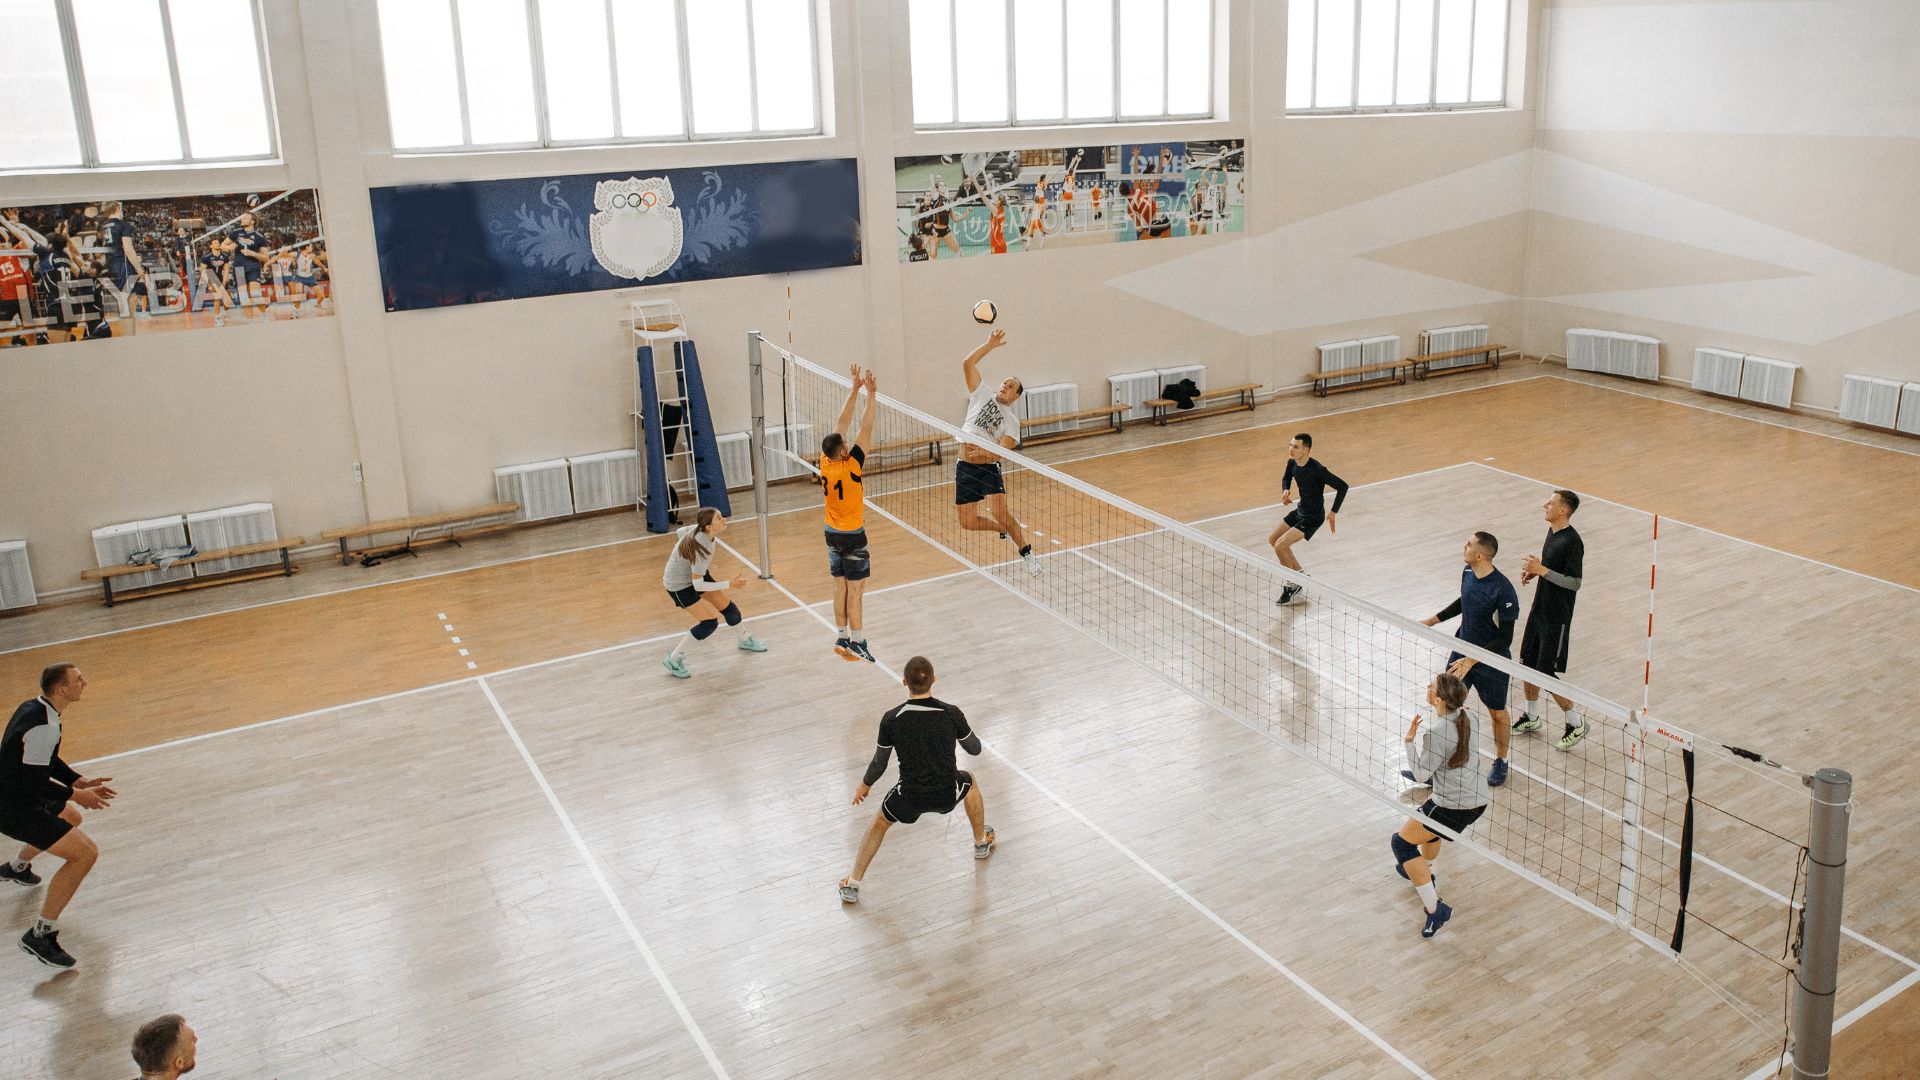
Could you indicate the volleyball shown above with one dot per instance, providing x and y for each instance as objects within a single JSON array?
[
  {"x": 253, "y": 201},
  {"x": 985, "y": 312}
]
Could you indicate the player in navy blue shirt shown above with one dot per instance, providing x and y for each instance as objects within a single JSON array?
[
  {"x": 250, "y": 257},
  {"x": 1489, "y": 609},
  {"x": 1311, "y": 480}
]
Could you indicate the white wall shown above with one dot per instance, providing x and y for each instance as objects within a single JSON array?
[{"x": 1356, "y": 225}]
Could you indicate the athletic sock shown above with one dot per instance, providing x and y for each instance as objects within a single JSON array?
[
  {"x": 854, "y": 881},
  {"x": 680, "y": 647},
  {"x": 18, "y": 865},
  {"x": 44, "y": 926},
  {"x": 840, "y": 632},
  {"x": 1428, "y": 895}
]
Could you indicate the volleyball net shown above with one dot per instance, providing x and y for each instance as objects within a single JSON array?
[{"x": 1691, "y": 845}]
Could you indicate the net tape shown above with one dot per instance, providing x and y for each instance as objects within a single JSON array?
[{"x": 1608, "y": 826}]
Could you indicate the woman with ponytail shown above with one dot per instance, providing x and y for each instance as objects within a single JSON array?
[
  {"x": 693, "y": 589},
  {"x": 1442, "y": 757}
]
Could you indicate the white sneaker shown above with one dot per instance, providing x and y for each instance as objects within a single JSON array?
[{"x": 1032, "y": 561}]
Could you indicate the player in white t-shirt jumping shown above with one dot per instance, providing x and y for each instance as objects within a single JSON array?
[{"x": 976, "y": 476}]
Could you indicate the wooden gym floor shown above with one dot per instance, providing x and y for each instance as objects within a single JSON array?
[{"x": 558, "y": 861}]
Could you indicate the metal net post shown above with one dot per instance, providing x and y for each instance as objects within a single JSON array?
[
  {"x": 1818, "y": 972},
  {"x": 757, "y": 447}
]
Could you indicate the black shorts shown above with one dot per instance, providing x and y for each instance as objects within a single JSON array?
[
  {"x": 1308, "y": 524},
  {"x": 1543, "y": 646},
  {"x": 689, "y": 596},
  {"x": 1489, "y": 682},
  {"x": 35, "y": 825},
  {"x": 847, "y": 555},
  {"x": 973, "y": 483},
  {"x": 1457, "y": 820},
  {"x": 903, "y": 809}
]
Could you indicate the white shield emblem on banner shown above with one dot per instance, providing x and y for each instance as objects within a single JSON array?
[{"x": 635, "y": 228}]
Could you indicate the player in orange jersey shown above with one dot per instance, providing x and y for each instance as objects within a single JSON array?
[{"x": 848, "y": 563}]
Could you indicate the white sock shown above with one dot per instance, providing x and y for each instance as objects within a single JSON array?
[
  {"x": 18, "y": 865},
  {"x": 680, "y": 647},
  {"x": 44, "y": 926},
  {"x": 841, "y": 630},
  {"x": 1428, "y": 895},
  {"x": 854, "y": 881}
]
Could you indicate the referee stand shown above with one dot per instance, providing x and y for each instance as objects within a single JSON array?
[{"x": 673, "y": 427}]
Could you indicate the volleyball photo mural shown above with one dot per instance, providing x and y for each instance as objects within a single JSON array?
[
  {"x": 107, "y": 268},
  {"x": 1001, "y": 202},
  {"x": 443, "y": 245}
]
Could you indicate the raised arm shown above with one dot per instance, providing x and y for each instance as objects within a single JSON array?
[
  {"x": 970, "y": 367},
  {"x": 865, "y": 436},
  {"x": 846, "y": 411}
]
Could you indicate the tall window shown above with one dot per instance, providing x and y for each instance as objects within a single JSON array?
[
  {"x": 1346, "y": 56},
  {"x": 86, "y": 83},
  {"x": 990, "y": 62},
  {"x": 527, "y": 73}
]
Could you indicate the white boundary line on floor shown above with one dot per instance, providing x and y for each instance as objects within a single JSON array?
[
  {"x": 1701, "y": 528},
  {"x": 606, "y": 888},
  {"x": 1345, "y": 1017},
  {"x": 1731, "y": 415},
  {"x": 1857, "y": 1012}
]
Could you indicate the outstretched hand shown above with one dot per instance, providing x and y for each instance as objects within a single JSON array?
[
  {"x": 873, "y": 385},
  {"x": 854, "y": 372},
  {"x": 996, "y": 339}
]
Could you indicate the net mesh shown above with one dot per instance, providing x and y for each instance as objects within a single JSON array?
[{"x": 1606, "y": 826}]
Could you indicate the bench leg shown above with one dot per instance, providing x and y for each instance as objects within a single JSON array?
[
  {"x": 286, "y": 562},
  {"x": 106, "y": 587},
  {"x": 345, "y": 556}
]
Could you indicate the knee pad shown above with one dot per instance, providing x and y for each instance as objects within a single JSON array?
[
  {"x": 704, "y": 629},
  {"x": 1404, "y": 849},
  {"x": 732, "y": 614}
]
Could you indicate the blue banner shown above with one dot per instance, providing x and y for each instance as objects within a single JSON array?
[{"x": 470, "y": 243}]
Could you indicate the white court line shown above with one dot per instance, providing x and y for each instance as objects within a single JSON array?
[
  {"x": 606, "y": 889},
  {"x": 1345, "y": 1017},
  {"x": 1700, "y": 528},
  {"x": 1845, "y": 1022}
]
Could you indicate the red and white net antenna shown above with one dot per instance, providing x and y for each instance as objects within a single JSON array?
[
  {"x": 1653, "y": 566},
  {"x": 789, "y": 312}
]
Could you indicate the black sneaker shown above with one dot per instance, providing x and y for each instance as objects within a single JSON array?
[
  {"x": 24, "y": 876},
  {"x": 861, "y": 652},
  {"x": 1287, "y": 593},
  {"x": 46, "y": 949}
]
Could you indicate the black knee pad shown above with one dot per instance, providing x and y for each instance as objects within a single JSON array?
[
  {"x": 704, "y": 629},
  {"x": 732, "y": 614},
  {"x": 1404, "y": 849}
]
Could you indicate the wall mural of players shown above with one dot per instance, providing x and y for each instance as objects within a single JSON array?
[
  {"x": 998, "y": 202},
  {"x": 110, "y": 268}
]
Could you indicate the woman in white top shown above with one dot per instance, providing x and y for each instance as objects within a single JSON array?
[
  {"x": 1443, "y": 757},
  {"x": 693, "y": 589}
]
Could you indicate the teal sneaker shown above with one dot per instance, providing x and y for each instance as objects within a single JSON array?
[
  {"x": 677, "y": 667},
  {"x": 752, "y": 644}
]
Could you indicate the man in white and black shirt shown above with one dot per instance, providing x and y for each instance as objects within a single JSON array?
[
  {"x": 925, "y": 730},
  {"x": 976, "y": 476},
  {"x": 35, "y": 789}
]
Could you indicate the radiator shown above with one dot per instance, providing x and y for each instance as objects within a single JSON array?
[
  {"x": 1768, "y": 381},
  {"x": 1865, "y": 399},
  {"x": 1046, "y": 401},
  {"x": 1612, "y": 353},
  {"x": 16, "y": 576},
  {"x": 1382, "y": 349},
  {"x": 1910, "y": 409},
  {"x": 1448, "y": 338},
  {"x": 542, "y": 489},
  {"x": 231, "y": 526},
  {"x": 605, "y": 480},
  {"x": 1339, "y": 356},
  {"x": 113, "y": 543},
  {"x": 1170, "y": 375},
  {"x": 736, "y": 454},
  {"x": 1717, "y": 371},
  {"x": 1133, "y": 389}
]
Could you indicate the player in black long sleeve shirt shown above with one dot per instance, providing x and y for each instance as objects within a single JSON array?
[
  {"x": 1311, "y": 479},
  {"x": 35, "y": 788},
  {"x": 925, "y": 730},
  {"x": 1558, "y": 569},
  {"x": 1489, "y": 609}
]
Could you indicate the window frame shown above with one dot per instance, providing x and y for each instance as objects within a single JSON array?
[
  {"x": 79, "y": 101},
  {"x": 1433, "y": 67},
  {"x": 1013, "y": 102},
  {"x": 543, "y": 128}
]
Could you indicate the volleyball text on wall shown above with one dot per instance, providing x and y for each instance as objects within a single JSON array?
[
  {"x": 468, "y": 243},
  {"x": 106, "y": 268}
]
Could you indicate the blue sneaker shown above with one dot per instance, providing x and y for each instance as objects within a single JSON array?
[
  {"x": 1436, "y": 919},
  {"x": 861, "y": 652},
  {"x": 1497, "y": 775}
]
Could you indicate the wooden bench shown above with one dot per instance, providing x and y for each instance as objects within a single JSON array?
[
  {"x": 927, "y": 450},
  {"x": 1392, "y": 372},
  {"x": 1165, "y": 409},
  {"x": 1489, "y": 360},
  {"x": 413, "y": 526},
  {"x": 1113, "y": 413},
  {"x": 105, "y": 574}
]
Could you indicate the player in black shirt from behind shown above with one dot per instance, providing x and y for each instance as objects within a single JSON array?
[
  {"x": 1311, "y": 479},
  {"x": 925, "y": 730},
  {"x": 1543, "y": 647}
]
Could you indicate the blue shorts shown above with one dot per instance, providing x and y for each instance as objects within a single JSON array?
[
  {"x": 1489, "y": 682},
  {"x": 847, "y": 555}
]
